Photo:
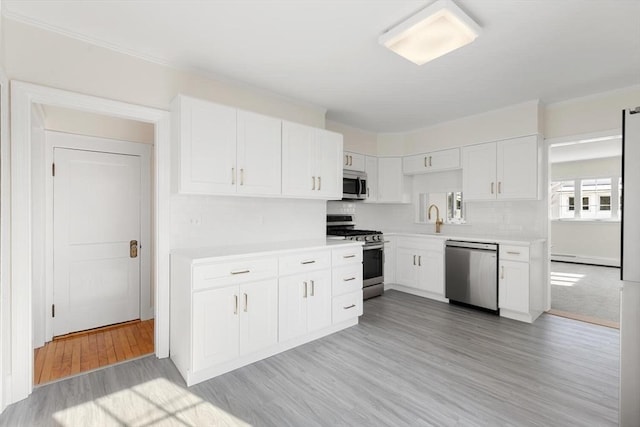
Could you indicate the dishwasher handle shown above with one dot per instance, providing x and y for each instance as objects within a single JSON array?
[{"x": 472, "y": 245}]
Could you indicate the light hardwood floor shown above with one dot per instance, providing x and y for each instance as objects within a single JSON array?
[
  {"x": 410, "y": 362},
  {"x": 81, "y": 352}
]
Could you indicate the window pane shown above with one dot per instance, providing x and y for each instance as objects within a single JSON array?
[
  {"x": 562, "y": 199},
  {"x": 597, "y": 192}
]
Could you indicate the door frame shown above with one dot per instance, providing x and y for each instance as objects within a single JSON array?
[
  {"x": 18, "y": 375},
  {"x": 64, "y": 140}
]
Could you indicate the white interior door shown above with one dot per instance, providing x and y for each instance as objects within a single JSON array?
[{"x": 96, "y": 215}]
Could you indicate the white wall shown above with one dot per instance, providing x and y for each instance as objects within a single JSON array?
[
  {"x": 590, "y": 114},
  {"x": 592, "y": 242},
  {"x": 83, "y": 123},
  {"x": 354, "y": 139}
]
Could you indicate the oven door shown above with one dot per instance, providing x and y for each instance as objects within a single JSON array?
[{"x": 372, "y": 264}]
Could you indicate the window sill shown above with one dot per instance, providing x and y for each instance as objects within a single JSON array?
[{"x": 585, "y": 220}]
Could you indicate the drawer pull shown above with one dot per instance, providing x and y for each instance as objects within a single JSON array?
[
  {"x": 308, "y": 262},
  {"x": 349, "y": 256},
  {"x": 241, "y": 272},
  {"x": 513, "y": 253},
  {"x": 349, "y": 279},
  {"x": 350, "y": 306}
]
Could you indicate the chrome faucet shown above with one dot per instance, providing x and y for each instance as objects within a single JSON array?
[{"x": 439, "y": 221}]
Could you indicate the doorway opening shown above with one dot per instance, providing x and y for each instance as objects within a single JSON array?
[
  {"x": 584, "y": 214},
  {"x": 92, "y": 296}
]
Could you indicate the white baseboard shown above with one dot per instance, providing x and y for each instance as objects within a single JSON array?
[{"x": 610, "y": 262}]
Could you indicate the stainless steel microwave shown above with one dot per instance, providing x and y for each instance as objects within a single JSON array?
[{"x": 354, "y": 185}]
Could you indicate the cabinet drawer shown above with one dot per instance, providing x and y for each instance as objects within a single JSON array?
[
  {"x": 227, "y": 273},
  {"x": 514, "y": 253},
  {"x": 304, "y": 261},
  {"x": 346, "y": 256},
  {"x": 347, "y": 306},
  {"x": 346, "y": 279}
]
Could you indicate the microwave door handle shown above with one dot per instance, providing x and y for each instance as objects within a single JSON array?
[{"x": 359, "y": 189}]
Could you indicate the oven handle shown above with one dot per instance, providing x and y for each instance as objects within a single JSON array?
[{"x": 371, "y": 247}]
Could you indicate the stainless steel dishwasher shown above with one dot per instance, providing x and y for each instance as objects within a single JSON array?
[{"x": 471, "y": 273}]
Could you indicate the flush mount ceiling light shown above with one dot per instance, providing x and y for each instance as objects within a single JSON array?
[{"x": 434, "y": 31}]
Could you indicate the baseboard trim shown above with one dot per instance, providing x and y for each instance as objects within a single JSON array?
[{"x": 575, "y": 259}]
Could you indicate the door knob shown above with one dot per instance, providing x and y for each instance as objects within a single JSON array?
[{"x": 133, "y": 249}]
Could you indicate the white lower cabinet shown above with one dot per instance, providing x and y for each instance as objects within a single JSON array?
[
  {"x": 233, "y": 321},
  {"x": 420, "y": 265},
  {"x": 229, "y": 311},
  {"x": 521, "y": 287},
  {"x": 304, "y": 304}
]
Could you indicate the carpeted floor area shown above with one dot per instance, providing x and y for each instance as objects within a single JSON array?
[{"x": 586, "y": 290}]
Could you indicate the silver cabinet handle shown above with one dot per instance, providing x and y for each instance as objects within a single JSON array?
[
  {"x": 349, "y": 279},
  {"x": 414, "y": 260},
  {"x": 499, "y": 187},
  {"x": 246, "y": 302},
  {"x": 319, "y": 183},
  {"x": 349, "y": 256},
  {"x": 233, "y": 176},
  {"x": 348, "y": 307},
  {"x": 350, "y": 160},
  {"x": 429, "y": 161},
  {"x": 305, "y": 290},
  {"x": 235, "y": 309},
  {"x": 420, "y": 260},
  {"x": 313, "y": 186},
  {"x": 368, "y": 192},
  {"x": 241, "y": 176},
  {"x": 425, "y": 161},
  {"x": 502, "y": 272},
  {"x": 513, "y": 253},
  {"x": 313, "y": 288},
  {"x": 308, "y": 262},
  {"x": 241, "y": 272},
  {"x": 492, "y": 188},
  {"x": 346, "y": 160}
]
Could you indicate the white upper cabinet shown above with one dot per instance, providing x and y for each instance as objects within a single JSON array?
[
  {"x": 219, "y": 150},
  {"x": 311, "y": 165},
  {"x": 501, "y": 170},
  {"x": 258, "y": 154},
  {"x": 371, "y": 168},
  {"x": 431, "y": 162},
  {"x": 205, "y": 158},
  {"x": 353, "y": 161},
  {"x": 392, "y": 184}
]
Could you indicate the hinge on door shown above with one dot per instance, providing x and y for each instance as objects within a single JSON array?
[
  {"x": 53, "y": 310},
  {"x": 53, "y": 169}
]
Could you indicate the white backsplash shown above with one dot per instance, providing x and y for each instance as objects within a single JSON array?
[
  {"x": 484, "y": 219},
  {"x": 202, "y": 221}
]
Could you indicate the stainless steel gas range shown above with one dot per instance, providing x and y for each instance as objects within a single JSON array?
[{"x": 343, "y": 226}]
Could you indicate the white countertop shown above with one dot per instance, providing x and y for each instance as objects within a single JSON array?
[
  {"x": 483, "y": 239},
  {"x": 272, "y": 248}
]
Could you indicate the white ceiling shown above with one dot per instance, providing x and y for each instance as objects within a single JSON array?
[
  {"x": 585, "y": 151},
  {"x": 326, "y": 51}
]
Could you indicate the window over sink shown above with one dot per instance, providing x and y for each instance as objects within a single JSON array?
[{"x": 450, "y": 207}]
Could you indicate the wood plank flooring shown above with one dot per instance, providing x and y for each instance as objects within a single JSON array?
[
  {"x": 410, "y": 362},
  {"x": 81, "y": 352}
]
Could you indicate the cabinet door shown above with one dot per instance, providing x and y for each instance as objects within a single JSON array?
[
  {"x": 215, "y": 327},
  {"x": 353, "y": 161},
  {"x": 258, "y": 315},
  {"x": 292, "y": 306},
  {"x": 406, "y": 264},
  {"x": 444, "y": 159},
  {"x": 371, "y": 168},
  {"x": 513, "y": 291},
  {"x": 318, "y": 300},
  {"x": 390, "y": 180},
  {"x": 415, "y": 164},
  {"x": 259, "y": 154},
  {"x": 298, "y": 159},
  {"x": 207, "y": 147},
  {"x": 328, "y": 168},
  {"x": 479, "y": 172},
  {"x": 431, "y": 271},
  {"x": 517, "y": 168}
]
